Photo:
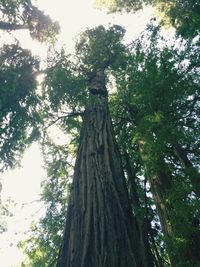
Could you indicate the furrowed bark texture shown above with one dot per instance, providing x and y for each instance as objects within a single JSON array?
[{"x": 100, "y": 229}]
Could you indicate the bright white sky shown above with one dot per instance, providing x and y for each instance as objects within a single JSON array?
[{"x": 23, "y": 185}]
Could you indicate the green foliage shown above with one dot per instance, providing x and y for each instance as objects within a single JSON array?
[
  {"x": 92, "y": 53},
  {"x": 183, "y": 15},
  {"x": 155, "y": 102},
  {"x": 44, "y": 238},
  {"x": 155, "y": 106},
  {"x": 22, "y": 14},
  {"x": 41, "y": 26},
  {"x": 185, "y": 220},
  {"x": 18, "y": 102},
  {"x": 20, "y": 105},
  {"x": 120, "y": 5},
  {"x": 62, "y": 84},
  {"x": 157, "y": 92},
  {"x": 65, "y": 87}
]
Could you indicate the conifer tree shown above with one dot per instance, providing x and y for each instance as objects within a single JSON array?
[{"x": 101, "y": 229}]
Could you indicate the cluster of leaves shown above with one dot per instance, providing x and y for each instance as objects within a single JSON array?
[
  {"x": 92, "y": 53},
  {"x": 18, "y": 102},
  {"x": 62, "y": 84},
  {"x": 182, "y": 14},
  {"x": 120, "y": 5},
  {"x": 22, "y": 14}
]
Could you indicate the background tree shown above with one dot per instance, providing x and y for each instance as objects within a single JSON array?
[
  {"x": 18, "y": 104},
  {"x": 157, "y": 101},
  {"x": 182, "y": 15},
  {"x": 22, "y": 14}
]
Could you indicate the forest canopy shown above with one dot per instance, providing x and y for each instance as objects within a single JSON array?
[
  {"x": 182, "y": 15},
  {"x": 124, "y": 189}
]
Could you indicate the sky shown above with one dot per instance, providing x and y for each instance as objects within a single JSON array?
[{"x": 22, "y": 185}]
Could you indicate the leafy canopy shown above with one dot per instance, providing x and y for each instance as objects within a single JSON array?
[
  {"x": 182, "y": 15},
  {"x": 22, "y": 14},
  {"x": 18, "y": 102}
]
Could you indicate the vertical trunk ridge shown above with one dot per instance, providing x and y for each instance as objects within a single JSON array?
[{"x": 101, "y": 230}]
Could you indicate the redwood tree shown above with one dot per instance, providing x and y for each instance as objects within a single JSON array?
[
  {"x": 155, "y": 109},
  {"x": 101, "y": 229}
]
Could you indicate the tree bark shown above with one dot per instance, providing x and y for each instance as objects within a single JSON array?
[
  {"x": 143, "y": 223},
  {"x": 100, "y": 228},
  {"x": 160, "y": 184}
]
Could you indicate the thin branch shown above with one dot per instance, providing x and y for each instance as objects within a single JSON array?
[
  {"x": 31, "y": 202},
  {"x": 68, "y": 115}
]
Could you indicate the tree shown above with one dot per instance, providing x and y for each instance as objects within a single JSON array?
[
  {"x": 157, "y": 101},
  {"x": 182, "y": 15},
  {"x": 155, "y": 116},
  {"x": 18, "y": 104},
  {"x": 119, "y": 5},
  {"x": 94, "y": 235},
  {"x": 70, "y": 91},
  {"x": 22, "y": 14}
]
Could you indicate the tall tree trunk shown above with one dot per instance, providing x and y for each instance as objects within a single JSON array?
[
  {"x": 160, "y": 184},
  {"x": 100, "y": 229},
  {"x": 143, "y": 222}
]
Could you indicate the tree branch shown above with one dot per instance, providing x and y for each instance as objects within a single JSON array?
[
  {"x": 68, "y": 115},
  {"x": 12, "y": 26}
]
